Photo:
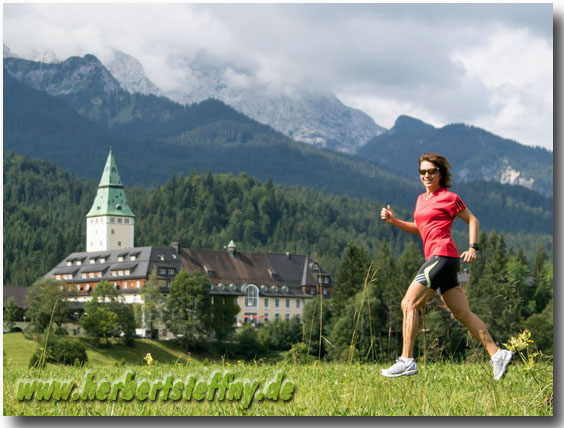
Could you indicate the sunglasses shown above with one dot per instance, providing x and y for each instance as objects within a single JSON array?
[{"x": 431, "y": 171}]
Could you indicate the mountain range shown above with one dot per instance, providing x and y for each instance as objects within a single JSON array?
[
  {"x": 319, "y": 119},
  {"x": 70, "y": 112}
]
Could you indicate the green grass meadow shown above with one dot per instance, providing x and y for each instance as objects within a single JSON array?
[{"x": 321, "y": 389}]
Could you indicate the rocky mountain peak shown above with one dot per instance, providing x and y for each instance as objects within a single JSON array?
[
  {"x": 131, "y": 75},
  {"x": 76, "y": 74}
]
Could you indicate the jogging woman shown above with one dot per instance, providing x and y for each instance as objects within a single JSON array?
[{"x": 434, "y": 214}]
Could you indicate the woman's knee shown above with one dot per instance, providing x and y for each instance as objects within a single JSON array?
[{"x": 408, "y": 304}]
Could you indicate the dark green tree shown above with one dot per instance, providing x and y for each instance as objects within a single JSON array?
[
  {"x": 46, "y": 300},
  {"x": 316, "y": 316},
  {"x": 495, "y": 296},
  {"x": 187, "y": 311},
  {"x": 11, "y": 314},
  {"x": 350, "y": 277},
  {"x": 542, "y": 279},
  {"x": 224, "y": 309},
  {"x": 153, "y": 302},
  {"x": 101, "y": 318}
]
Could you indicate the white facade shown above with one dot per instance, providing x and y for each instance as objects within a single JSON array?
[{"x": 109, "y": 233}]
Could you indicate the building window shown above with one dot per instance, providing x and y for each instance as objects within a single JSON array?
[
  {"x": 138, "y": 284},
  {"x": 127, "y": 272},
  {"x": 251, "y": 296},
  {"x": 277, "y": 303},
  {"x": 298, "y": 303},
  {"x": 119, "y": 243},
  {"x": 266, "y": 317},
  {"x": 126, "y": 221},
  {"x": 102, "y": 259},
  {"x": 277, "y": 316},
  {"x": 112, "y": 220},
  {"x": 132, "y": 258},
  {"x": 287, "y": 303},
  {"x": 251, "y": 317},
  {"x": 266, "y": 302},
  {"x": 162, "y": 271},
  {"x": 287, "y": 317},
  {"x": 113, "y": 233},
  {"x": 78, "y": 262},
  {"x": 69, "y": 263},
  {"x": 119, "y": 220}
]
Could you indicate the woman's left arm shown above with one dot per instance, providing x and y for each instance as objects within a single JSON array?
[{"x": 473, "y": 228}]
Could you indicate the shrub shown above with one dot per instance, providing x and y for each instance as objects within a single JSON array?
[
  {"x": 298, "y": 354},
  {"x": 62, "y": 351},
  {"x": 247, "y": 343}
]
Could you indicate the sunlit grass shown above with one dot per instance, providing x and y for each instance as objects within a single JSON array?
[{"x": 321, "y": 389}]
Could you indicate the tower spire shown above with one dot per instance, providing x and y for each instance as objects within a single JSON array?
[{"x": 109, "y": 223}]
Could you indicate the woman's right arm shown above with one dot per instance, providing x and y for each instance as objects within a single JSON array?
[{"x": 387, "y": 215}]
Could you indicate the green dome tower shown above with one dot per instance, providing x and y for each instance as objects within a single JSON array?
[{"x": 110, "y": 221}]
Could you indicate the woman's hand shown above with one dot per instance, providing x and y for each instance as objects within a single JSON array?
[
  {"x": 469, "y": 256},
  {"x": 387, "y": 215}
]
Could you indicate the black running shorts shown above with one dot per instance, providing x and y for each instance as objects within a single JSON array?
[{"x": 439, "y": 273}]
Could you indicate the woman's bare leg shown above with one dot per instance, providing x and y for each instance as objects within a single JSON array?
[
  {"x": 416, "y": 295},
  {"x": 456, "y": 301}
]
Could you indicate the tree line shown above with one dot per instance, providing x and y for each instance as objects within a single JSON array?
[{"x": 44, "y": 209}]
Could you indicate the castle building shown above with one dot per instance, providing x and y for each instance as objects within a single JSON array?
[{"x": 265, "y": 286}]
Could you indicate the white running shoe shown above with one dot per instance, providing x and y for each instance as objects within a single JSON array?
[
  {"x": 500, "y": 360},
  {"x": 400, "y": 368}
]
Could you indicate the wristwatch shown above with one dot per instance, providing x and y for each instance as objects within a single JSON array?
[{"x": 475, "y": 246}]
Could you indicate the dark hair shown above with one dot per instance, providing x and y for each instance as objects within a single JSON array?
[{"x": 440, "y": 162}]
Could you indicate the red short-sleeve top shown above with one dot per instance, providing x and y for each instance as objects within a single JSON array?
[{"x": 434, "y": 217}]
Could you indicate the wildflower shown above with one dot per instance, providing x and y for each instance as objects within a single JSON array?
[
  {"x": 149, "y": 359},
  {"x": 519, "y": 343}
]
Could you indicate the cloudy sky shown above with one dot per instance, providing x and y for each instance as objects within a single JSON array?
[{"x": 488, "y": 65}]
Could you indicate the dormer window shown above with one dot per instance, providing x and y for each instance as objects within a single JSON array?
[
  {"x": 102, "y": 260},
  {"x": 133, "y": 258},
  {"x": 315, "y": 267},
  {"x": 112, "y": 220},
  {"x": 69, "y": 263}
]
